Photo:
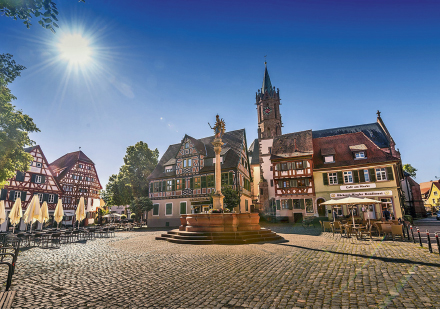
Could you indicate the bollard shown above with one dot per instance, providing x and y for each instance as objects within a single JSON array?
[
  {"x": 429, "y": 241},
  {"x": 407, "y": 231},
  {"x": 438, "y": 242},
  {"x": 412, "y": 232},
  {"x": 420, "y": 237}
]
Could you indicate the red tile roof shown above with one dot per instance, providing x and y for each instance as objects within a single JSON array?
[{"x": 343, "y": 155}]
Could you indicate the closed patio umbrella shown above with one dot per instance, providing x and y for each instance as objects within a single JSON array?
[
  {"x": 59, "y": 212},
  {"x": 80, "y": 211},
  {"x": 32, "y": 212},
  {"x": 44, "y": 213},
  {"x": 16, "y": 214},
  {"x": 2, "y": 212}
]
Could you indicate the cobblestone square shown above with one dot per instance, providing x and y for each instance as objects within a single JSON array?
[{"x": 317, "y": 270}]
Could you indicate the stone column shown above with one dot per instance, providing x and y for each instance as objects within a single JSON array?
[{"x": 217, "y": 198}]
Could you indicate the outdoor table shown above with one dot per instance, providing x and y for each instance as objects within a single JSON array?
[{"x": 357, "y": 229}]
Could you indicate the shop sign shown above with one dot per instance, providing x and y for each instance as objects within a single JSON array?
[
  {"x": 359, "y": 186},
  {"x": 361, "y": 194},
  {"x": 199, "y": 199}
]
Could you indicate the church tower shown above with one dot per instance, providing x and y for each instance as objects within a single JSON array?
[{"x": 268, "y": 108}]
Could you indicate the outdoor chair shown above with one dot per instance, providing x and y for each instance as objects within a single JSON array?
[
  {"x": 36, "y": 238},
  {"x": 66, "y": 237},
  {"x": 365, "y": 231},
  {"x": 378, "y": 226},
  {"x": 326, "y": 225},
  {"x": 397, "y": 230},
  {"x": 337, "y": 227},
  {"x": 55, "y": 240},
  {"x": 386, "y": 229},
  {"x": 111, "y": 231},
  {"x": 75, "y": 235},
  {"x": 348, "y": 230}
]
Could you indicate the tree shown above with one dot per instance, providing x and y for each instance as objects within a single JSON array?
[
  {"x": 140, "y": 205},
  {"x": 232, "y": 198},
  {"x": 117, "y": 191},
  {"x": 139, "y": 162},
  {"x": 26, "y": 9},
  {"x": 410, "y": 170},
  {"x": 14, "y": 125}
]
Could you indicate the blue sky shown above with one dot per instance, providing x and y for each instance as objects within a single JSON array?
[{"x": 163, "y": 69}]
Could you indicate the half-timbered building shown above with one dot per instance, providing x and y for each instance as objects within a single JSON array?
[
  {"x": 183, "y": 180},
  {"x": 292, "y": 168},
  {"x": 78, "y": 177},
  {"x": 38, "y": 180}
]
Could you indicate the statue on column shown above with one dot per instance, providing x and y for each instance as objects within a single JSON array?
[{"x": 219, "y": 127}]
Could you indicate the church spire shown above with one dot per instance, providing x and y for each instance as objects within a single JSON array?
[{"x": 267, "y": 85}]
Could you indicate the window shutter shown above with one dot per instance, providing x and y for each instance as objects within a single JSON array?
[
  {"x": 361, "y": 176},
  {"x": 307, "y": 182},
  {"x": 33, "y": 178},
  {"x": 11, "y": 195},
  {"x": 355, "y": 176},
  {"x": 203, "y": 182},
  {"x": 55, "y": 198},
  {"x": 164, "y": 186},
  {"x": 3, "y": 194},
  {"x": 372, "y": 175},
  {"x": 305, "y": 164},
  {"x": 46, "y": 197},
  {"x": 294, "y": 183},
  {"x": 231, "y": 179},
  {"x": 43, "y": 179},
  {"x": 278, "y": 205},
  {"x": 80, "y": 177},
  {"x": 19, "y": 176},
  {"x": 290, "y": 204},
  {"x": 182, "y": 208},
  {"x": 23, "y": 196},
  {"x": 301, "y": 203},
  {"x": 173, "y": 185},
  {"x": 325, "y": 179},
  {"x": 191, "y": 183},
  {"x": 183, "y": 183},
  {"x": 390, "y": 175},
  {"x": 340, "y": 178},
  {"x": 277, "y": 167}
]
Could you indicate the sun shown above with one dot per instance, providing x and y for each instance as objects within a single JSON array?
[{"x": 75, "y": 49}]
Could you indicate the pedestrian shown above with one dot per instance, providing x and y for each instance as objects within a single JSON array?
[{"x": 386, "y": 214}]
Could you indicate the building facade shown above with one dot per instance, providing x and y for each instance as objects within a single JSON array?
[
  {"x": 77, "y": 177},
  {"x": 413, "y": 197},
  {"x": 183, "y": 180}
]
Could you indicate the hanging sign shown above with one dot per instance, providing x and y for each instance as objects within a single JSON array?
[
  {"x": 358, "y": 186},
  {"x": 361, "y": 194}
]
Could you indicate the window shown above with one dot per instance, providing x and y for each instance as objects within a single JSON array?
[
  {"x": 37, "y": 179},
  {"x": 435, "y": 192},
  {"x": 332, "y": 178},
  {"x": 155, "y": 209},
  {"x": 40, "y": 197},
  {"x": 168, "y": 169},
  {"x": 89, "y": 168},
  {"x": 246, "y": 205},
  {"x": 210, "y": 181},
  {"x": 169, "y": 209},
  {"x": 80, "y": 165},
  {"x": 186, "y": 162},
  {"x": 329, "y": 159},
  {"x": 178, "y": 184},
  {"x": 366, "y": 176},
  {"x": 381, "y": 174},
  {"x": 51, "y": 198},
  {"x": 270, "y": 149},
  {"x": 183, "y": 208},
  {"x": 285, "y": 204},
  {"x": 359, "y": 155},
  {"x": 297, "y": 204},
  {"x": 348, "y": 177},
  {"x": 271, "y": 182},
  {"x": 17, "y": 195},
  {"x": 169, "y": 185},
  {"x": 271, "y": 169},
  {"x": 186, "y": 145},
  {"x": 433, "y": 200},
  {"x": 38, "y": 164},
  {"x": 196, "y": 182},
  {"x": 309, "y": 205},
  {"x": 299, "y": 165}
]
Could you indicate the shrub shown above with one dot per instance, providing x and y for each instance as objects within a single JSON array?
[{"x": 408, "y": 218}]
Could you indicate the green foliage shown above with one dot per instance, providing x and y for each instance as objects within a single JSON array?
[
  {"x": 408, "y": 218},
  {"x": 140, "y": 205},
  {"x": 232, "y": 198},
  {"x": 26, "y": 9},
  {"x": 410, "y": 170},
  {"x": 117, "y": 191},
  {"x": 139, "y": 162},
  {"x": 14, "y": 125}
]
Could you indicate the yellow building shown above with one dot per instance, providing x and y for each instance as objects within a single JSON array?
[
  {"x": 353, "y": 165},
  {"x": 432, "y": 203}
]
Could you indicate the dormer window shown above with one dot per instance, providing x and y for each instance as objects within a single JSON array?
[
  {"x": 329, "y": 159},
  {"x": 168, "y": 169},
  {"x": 359, "y": 155},
  {"x": 186, "y": 145}
]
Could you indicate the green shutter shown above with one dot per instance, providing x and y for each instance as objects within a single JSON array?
[
  {"x": 325, "y": 179},
  {"x": 23, "y": 196},
  {"x": 155, "y": 209},
  {"x": 182, "y": 208},
  {"x": 46, "y": 197},
  {"x": 277, "y": 167},
  {"x": 361, "y": 176},
  {"x": 305, "y": 164},
  {"x": 203, "y": 182},
  {"x": 307, "y": 182},
  {"x": 280, "y": 184},
  {"x": 290, "y": 204},
  {"x": 3, "y": 194},
  {"x": 278, "y": 205},
  {"x": 173, "y": 185},
  {"x": 164, "y": 186},
  {"x": 231, "y": 179},
  {"x": 301, "y": 203},
  {"x": 340, "y": 178},
  {"x": 183, "y": 183},
  {"x": 11, "y": 195},
  {"x": 43, "y": 179},
  {"x": 224, "y": 179},
  {"x": 355, "y": 176},
  {"x": 33, "y": 178},
  {"x": 372, "y": 175},
  {"x": 55, "y": 201},
  {"x": 390, "y": 175},
  {"x": 191, "y": 183}
]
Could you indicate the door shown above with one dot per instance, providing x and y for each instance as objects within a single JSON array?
[{"x": 321, "y": 208}]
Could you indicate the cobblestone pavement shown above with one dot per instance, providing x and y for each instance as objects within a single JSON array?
[{"x": 317, "y": 270}]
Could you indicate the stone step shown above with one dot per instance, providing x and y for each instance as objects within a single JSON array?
[{"x": 189, "y": 241}]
